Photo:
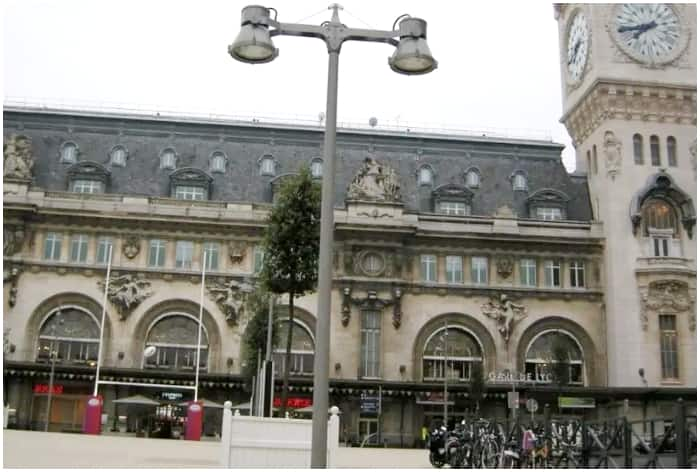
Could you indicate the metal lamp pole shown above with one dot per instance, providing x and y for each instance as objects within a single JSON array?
[
  {"x": 59, "y": 320},
  {"x": 254, "y": 45}
]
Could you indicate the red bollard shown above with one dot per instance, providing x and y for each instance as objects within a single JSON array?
[
  {"x": 193, "y": 424},
  {"x": 92, "y": 424}
]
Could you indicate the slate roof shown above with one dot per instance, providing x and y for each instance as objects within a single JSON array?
[{"x": 291, "y": 146}]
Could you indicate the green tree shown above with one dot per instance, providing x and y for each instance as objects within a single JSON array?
[
  {"x": 559, "y": 365},
  {"x": 291, "y": 245},
  {"x": 255, "y": 334}
]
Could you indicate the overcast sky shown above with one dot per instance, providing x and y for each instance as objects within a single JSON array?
[{"x": 498, "y": 62}]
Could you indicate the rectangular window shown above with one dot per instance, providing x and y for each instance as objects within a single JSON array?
[
  {"x": 371, "y": 337},
  {"x": 671, "y": 151},
  {"x": 103, "y": 245},
  {"x": 661, "y": 246},
  {"x": 453, "y": 208},
  {"x": 211, "y": 256},
  {"x": 258, "y": 259},
  {"x": 78, "y": 248},
  {"x": 183, "y": 254},
  {"x": 528, "y": 272},
  {"x": 655, "y": 151},
  {"x": 480, "y": 270},
  {"x": 453, "y": 269},
  {"x": 548, "y": 214},
  {"x": 576, "y": 273},
  {"x": 52, "y": 246},
  {"x": 87, "y": 186},
  {"x": 552, "y": 272},
  {"x": 156, "y": 253},
  {"x": 428, "y": 268},
  {"x": 669, "y": 346},
  {"x": 186, "y": 192}
]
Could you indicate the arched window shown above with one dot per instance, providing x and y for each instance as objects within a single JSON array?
[
  {"x": 267, "y": 165},
  {"x": 302, "y": 360},
  {"x": 168, "y": 159},
  {"x": 637, "y": 146},
  {"x": 317, "y": 168},
  {"x": 454, "y": 348},
  {"x": 654, "y": 147},
  {"x": 217, "y": 162},
  {"x": 71, "y": 334},
  {"x": 473, "y": 178},
  {"x": 519, "y": 181},
  {"x": 69, "y": 153},
  {"x": 671, "y": 151},
  {"x": 118, "y": 156},
  {"x": 660, "y": 226},
  {"x": 175, "y": 338},
  {"x": 555, "y": 356},
  {"x": 425, "y": 176}
]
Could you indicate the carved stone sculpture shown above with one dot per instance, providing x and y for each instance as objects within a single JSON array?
[
  {"x": 236, "y": 251},
  {"x": 11, "y": 274},
  {"x": 612, "y": 148},
  {"x": 13, "y": 239},
  {"x": 17, "y": 158},
  {"x": 506, "y": 313},
  {"x": 375, "y": 182},
  {"x": 666, "y": 296},
  {"x": 132, "y": 246},
  {"x": 504, "y": 267},
  {"x": 345, "y": 310},
  {"x": 126, "y": 292},
  {"x": 230, "y": 297}
]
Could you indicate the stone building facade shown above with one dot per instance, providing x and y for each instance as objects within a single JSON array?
[{"x": 450, "y": 252}]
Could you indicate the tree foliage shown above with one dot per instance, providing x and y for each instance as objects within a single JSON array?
[
  {"x": 560, "y": 363},
  {"x": 255, "y": 334},
  {"x": 477, "y": 385},
  {"x": 291, "y": 245}
]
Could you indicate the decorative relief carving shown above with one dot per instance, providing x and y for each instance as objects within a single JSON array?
[
  {"x": 506, "y": 313},
  {"x": 13, "y": 239},
  {"x": 236, "y": 251},
  {"x": 666, "y": 296},
  {"x": 375, "y": 182},
  {"x": 11, "y": 274},
  {"x": 504, "y": 267},
  {"x": 230, "y": 297},
  {"x": 612, "y": 148},
  {"x": 17, "y": 158},
  {"x": 132, "y": 246},
  {"x": 372, "y": 302},
  {"x": 126, "y": 292}
]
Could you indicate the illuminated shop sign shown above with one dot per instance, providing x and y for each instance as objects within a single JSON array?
[
  {"x": 519, "y": 377},
  {"x": 44, "y": 388},
  {"x": 293, "y": 402}
]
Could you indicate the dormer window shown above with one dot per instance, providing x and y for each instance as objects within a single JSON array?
[
  {"x": 217, "y": 163},
  {"x": 190, "y": 184},
  {"x": 425, "y": 176},
  {"x": 167, "y": 159},
  {"x": 118, "y": 156},
  {"x": 473, "y": 178},
  {"x": 317, "y": 168},
  {"x": 519, "y": 181},
  {"x": 69, "y": 153},
  {"x": 88, "y": 177},
  {"x": 452, "y": 199},
  {"x": 548, "y": 204},
  {"x": 267, "y": 165}
]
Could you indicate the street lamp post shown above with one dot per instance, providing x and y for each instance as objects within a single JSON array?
[
  {"x": 52, "y": 357},
  {"x": 412, "y": 56}
]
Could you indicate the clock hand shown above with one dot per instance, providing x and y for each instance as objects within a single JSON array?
[{"x": 573, "y": 54}]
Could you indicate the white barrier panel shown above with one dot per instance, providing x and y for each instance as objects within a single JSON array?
[{"x": 252, "y": 441}]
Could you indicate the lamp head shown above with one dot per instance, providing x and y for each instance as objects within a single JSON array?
[
  {"x": 412, "y": 55},
  {"x": 253, "y": 44}
]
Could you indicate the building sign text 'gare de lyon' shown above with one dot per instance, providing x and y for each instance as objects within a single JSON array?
[{"x": 519, "y": 377}]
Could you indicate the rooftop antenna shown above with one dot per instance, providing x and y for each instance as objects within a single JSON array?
[
  {"x": 321, "y": 118},
  {"x": 373, "y": 122}
]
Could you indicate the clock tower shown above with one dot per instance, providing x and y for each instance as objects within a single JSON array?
[{"x": 629, "y": 89}]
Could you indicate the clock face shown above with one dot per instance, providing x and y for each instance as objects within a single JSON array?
[
  {"x": 577, "y": 47},
  {"x": 648, "y": 32}
]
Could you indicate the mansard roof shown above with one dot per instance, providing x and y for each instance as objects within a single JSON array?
[{"x": 293, "y": 146}]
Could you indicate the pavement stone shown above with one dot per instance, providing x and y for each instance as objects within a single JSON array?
[{"x": 38, "y": 449}]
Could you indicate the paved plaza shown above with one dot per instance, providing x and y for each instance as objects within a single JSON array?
[{"x": 62, "y": 450}]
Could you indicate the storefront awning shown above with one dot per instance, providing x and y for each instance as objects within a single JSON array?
[{"x": 137, "y": 400}]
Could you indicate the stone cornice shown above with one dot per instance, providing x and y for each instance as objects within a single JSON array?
[{"x": 630, "y": 101}]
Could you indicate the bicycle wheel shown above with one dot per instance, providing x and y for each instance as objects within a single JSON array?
[{"x": 490, "y": 455}]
